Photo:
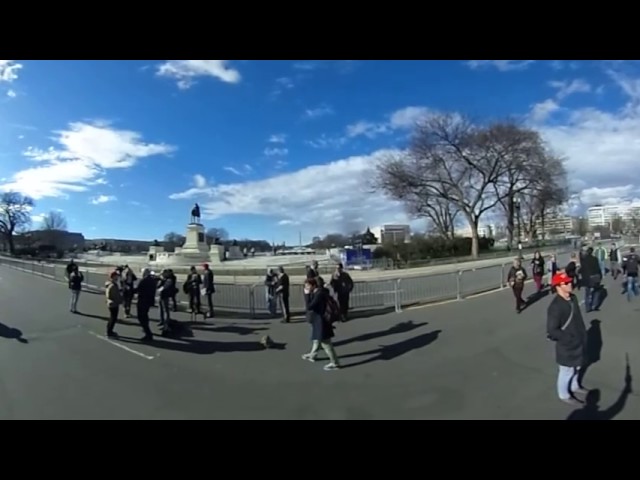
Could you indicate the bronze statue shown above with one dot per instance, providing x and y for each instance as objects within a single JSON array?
[{"x": 195, "y": 214}]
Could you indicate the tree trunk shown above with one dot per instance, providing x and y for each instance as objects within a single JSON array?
[
  {"x": 12, "y": 247},
  {"x": 475, "y": 238},
  {"x": 542, "y": 216},
  {"x": 510, "y": 221}
]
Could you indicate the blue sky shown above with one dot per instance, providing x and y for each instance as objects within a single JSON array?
[{"x": 273, "y": 148}]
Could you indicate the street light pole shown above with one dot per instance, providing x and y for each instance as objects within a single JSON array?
[{"x": 516, "y": 205}]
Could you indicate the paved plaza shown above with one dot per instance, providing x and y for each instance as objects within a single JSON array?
[{"x": 474, "y": 359}]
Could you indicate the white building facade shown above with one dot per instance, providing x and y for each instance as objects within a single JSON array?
[
  {"x": 603, "y": 215},
  {"x": 392, "y": 233}
]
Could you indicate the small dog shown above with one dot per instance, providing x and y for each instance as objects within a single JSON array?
[{"x": 266, "y": 342}]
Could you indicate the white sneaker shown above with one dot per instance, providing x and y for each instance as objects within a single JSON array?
[
  {"x": 331, "y": 366},
  {"x": 309, "y": 357}
]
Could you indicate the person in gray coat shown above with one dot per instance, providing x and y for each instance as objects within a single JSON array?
[{"x": 565, "y": 327}]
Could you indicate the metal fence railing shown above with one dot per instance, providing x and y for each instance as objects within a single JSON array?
[{"x": 387, "y": 294}]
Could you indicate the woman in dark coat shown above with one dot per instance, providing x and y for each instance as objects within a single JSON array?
[{"x": 321, "y": 329}]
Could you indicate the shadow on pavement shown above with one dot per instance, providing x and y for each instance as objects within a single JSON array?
[
  {"x": 401, "y": 327},
  {"x": 106, "y": 319},
  {"x": 591, "y": 410},
  {"x": 594, "y": 348},
  {"x": 535, "y": 298},
  {"x": 235, "y": 329},
  {"x": 395, "y": 350},
  {"x": 203, "y": 347},
  {"x": 12, "y": 333}
]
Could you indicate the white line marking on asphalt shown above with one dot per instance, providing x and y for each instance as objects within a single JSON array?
[{"x": 123, "y": 347}]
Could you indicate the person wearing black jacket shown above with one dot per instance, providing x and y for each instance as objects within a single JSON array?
[
  {"x": 75, "y": 285},
  {"x": 146, "y": 291},
  {"x": 174, "y": 279},
  {"x": 209, "y": 288},
  {"x": 591, "y": 278},
  {"x": 192, "y": 287},
  {"x": 282, "y": 290},
  {"x": 565, "y": 327},
  {"x": 342, "y": 284},
  {"x": 321, "y": 330}
]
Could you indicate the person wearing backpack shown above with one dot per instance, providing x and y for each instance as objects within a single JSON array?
[
  {"x": 321, "y": 328},
  {"x": 631, "y": 273},
  {"x": 566, "y": 327}
]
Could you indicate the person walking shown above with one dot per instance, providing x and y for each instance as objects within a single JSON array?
[
  {"x": 591, "y": 276},
  {"x": 615, "y": 260},
  {"x": 209, "y": 288},
  {"x": 342, "y": 284},
  {"x": 537, "y": 270},
  {"x": 516, "y": 277},
  {"x": 631, "y": 262},
  {"x": 566, "y": 327},
  {"x": 321, "y": 330},
  {"x": 283, "y": 289}
]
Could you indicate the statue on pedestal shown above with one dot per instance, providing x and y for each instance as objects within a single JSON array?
[{"x": 195, "y": 214}]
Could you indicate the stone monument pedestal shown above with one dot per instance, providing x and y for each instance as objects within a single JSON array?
[
  {"x": 195, "y": 246},
  {"x": 235, "y": 253},
  {"x": 216, "y": 254}
]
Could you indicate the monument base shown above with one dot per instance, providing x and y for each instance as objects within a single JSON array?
[
  {"x": 235, "y": 253},
  {"x": 196, "y": 243},
  {"x": 216, "y": 254}
]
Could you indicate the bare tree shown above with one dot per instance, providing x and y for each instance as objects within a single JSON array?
[
  {"x": 451, "y": 160},
  {"x": 174, "y": 239},
  {"x": 54, "y": 221},
  {"x": 522, "y": 167},
  {"x": 214, "y": 232},
  {"x": 15, "y": 211},
  {"x": 551, "y": 190}
]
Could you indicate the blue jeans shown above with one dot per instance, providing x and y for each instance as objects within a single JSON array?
[
  {"x": 632, "y": 287},
  {"x": 73, "y": 303},
  {"x": 591, "y": 297},
  {"x": 568, "y": 381}
]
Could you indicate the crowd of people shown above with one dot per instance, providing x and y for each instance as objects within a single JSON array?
[{"x": 123, "y": 286}]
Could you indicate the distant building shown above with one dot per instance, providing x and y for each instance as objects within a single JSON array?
[
  {"x": 603, "y": 215},
  {"x": 60, "y": 239},
  {"x": 557, "y": 225},
  {"x": 483, "y": 231},
  {"x": 392, "y": 233}
]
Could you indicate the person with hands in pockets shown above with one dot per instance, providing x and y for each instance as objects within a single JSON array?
[{"x": 566, "y": 327}]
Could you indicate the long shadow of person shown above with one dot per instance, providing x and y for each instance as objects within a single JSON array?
[
  {"x": 395, "y": 350},
  {"x": 594, "y": 348},
  {"x": 601, "y": 294},
  {"x": 591, "y": 410},
  {"x": 12, "y": 333},
  {"x": 401, "y": 327},
  {"x": 535, "y": 297}
]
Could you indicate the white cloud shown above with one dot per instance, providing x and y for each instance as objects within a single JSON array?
[
  {"x": 9, "y": 70},
  {"x": 241, "y": 171},
  {"x": 11, "y": 94},
  {"x": 320, "y": 111},
  {"x": 566, "y": 88},
  {"x": 37, "y": 218},
  {"x": 100, "y": 199},
  {"x": 306, "y": 66},
  {"x": 501, "y": 65},
  {"x": 84, "y": 153},
  {"x": 282, "y": 84},
  {"x": 278, "y": 138},
  {"x": 332, "y": 197},
  {"x": 543, "y": 110},
  {"x": 540, "y": 112},
  {"x": 326, "y": 142},
  {"x": 199, "y": 181},
  {"x": 199, "y": 186},
  {"x": 276, "y": 152},
  {"x": 610, "y": 195},
  {"x": 186, "y": 71},
  {"x": 403, "y": 119}
]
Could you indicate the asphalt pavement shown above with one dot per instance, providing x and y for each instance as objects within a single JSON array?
[{"x": 473, "y": 359}]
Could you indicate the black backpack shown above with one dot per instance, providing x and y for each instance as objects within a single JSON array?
[
  {"x": 332, "y": 311},
  {"x": 632, "y": 263}
]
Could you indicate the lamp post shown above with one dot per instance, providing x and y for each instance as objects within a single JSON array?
[{"x": 516, "y": 207}]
